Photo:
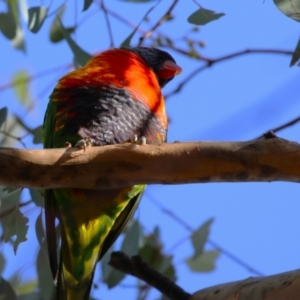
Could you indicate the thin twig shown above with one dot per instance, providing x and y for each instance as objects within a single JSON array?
[
  {"x": 210, "y": 62},
  {"x": 123, "y": 20},
  {"x": 17, "y": 138},
  {"x": 135, "y": 266},
  {"x": 107, "y": 23},
  {"x": 279, "y": 128},
  {"x": 163, "y": 18}
]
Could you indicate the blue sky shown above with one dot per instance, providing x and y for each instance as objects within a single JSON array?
[{"x": 235, "y": 100}]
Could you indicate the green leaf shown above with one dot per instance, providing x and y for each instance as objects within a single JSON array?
[
  {"x": 199, "y": 237},
  {"x": 2, "y": 264},
  {"x": 56, "y": 34},
  {"x": 18, "y": 42},
  {"x": 296, "y": 55},
  {"x": 38, "y": 136},
  {"x": 87, "y": 4},
  {"x": 110, "y": 276},
  {"x": 36, "y": 197},
  {"x": 289, "y": 8},
  {"x": 8, "y": 25},
  {"x": 133, "y": 239},
  {"x": 81, "y": 56},
  {"x": 6, "y": 290},
  {"x": 8, "y": 198},
  {"x": 166, "y": 267},
  {"x": 152, "y": 253},
  {"x": 14, "y": 223},
  {"x": 26, "y": 291},
  {"x": 10, "y": 189},
  {"x": 45, "y": 281},
  {"x": 30, "y": 296},
  {"x": 39, "y": 229},
  {"x": 204, "y": 262},
  {"x": 20, "y": 81},
  {"x": 126, "y": 42},
  {"x": 203, "y": 16},
  {"x": 36, "y": 17},
  {"x": 3, "y": 115}
]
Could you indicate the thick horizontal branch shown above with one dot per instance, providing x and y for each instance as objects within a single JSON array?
[
  {"x": 276, "y": 287},
  {"x": 127, "y": 164}
]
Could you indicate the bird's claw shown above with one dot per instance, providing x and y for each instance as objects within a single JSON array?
[
  {"x": 68, "y": 145},
  {"x": 135, "y": 139},
  {"x": 84, "y": 143},
  {"x": 140, "y": 141},
  {"x": 143, "y": 140}
]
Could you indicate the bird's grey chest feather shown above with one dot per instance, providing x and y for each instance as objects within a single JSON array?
[{"x": 111, "y": 116}]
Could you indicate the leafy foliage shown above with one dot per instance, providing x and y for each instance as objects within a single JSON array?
[{"x": 203, "y": 16}]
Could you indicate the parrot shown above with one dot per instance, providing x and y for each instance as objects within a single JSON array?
[{"x": 114, "y": 98}]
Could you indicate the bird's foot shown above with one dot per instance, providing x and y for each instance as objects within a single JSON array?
[
  {"x": 135, "y": 139},
  {"x": 140, "y": 141},
  {"x": 85, "y": 143},
  {"x": 68, "y": 145},
  {"x": 143, "y": 140}
]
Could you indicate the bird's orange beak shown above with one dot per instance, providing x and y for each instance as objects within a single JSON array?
[{"x": 169, "y": 70}]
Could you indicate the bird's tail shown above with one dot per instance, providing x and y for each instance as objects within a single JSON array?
[
  {"x": 89, "y": 225},
  {"x": 65, "y": 291}
]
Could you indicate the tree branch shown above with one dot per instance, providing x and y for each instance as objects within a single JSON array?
[
  {"x": 276, "y": 287},
  {"x": 135, "y": 266},
  {"x": 128, "y": 164}
]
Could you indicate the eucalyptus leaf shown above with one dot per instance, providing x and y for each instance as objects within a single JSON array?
[
  {"x": 87, "y": 4},
  {"x": 289, "y": 8},
  {"x": 203, "y": 16},
  {"x": 110, "y": 276},
  {"x": 14, "y": 223},
  {"x": 20, "y": 81},
  {"x": 38, "y": 135},
  {"x": 296, "y": 55},
  {"x": 204, "y": 262},
  {"x": 133, "y": 238},
  {"x": 36, "y": 17},
  {"x": 10, "y": 189},
  {"x": 39, "y": 230},
  {"x": 199, "y": 237},
  {"x": 56, "y": 34},
  {"x": 36, "y": 197},
  {"x": 18, "y": 41},
  {"x": 27, "y": 290},
  {"x": 2, "y": 264},
  {"x": 6, "y": 290},
  {"x": 45, "y": 280},
  {"x": 3, "y": 115},
  {"x": 8, "y": 25}
]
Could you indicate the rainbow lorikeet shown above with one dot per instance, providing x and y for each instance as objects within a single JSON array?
[{"x": 113, "y": 99}]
